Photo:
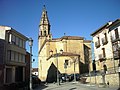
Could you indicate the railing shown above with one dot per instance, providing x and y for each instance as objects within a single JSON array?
[
  {"x": 97, "y": 44},
  {"x": 116, "y": 55},
  {"x": 114, "y": 39},
  {"x": 101, "y": 57}
]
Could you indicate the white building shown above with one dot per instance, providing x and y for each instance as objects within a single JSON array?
[
  {"x": 103, "y": 48},
  {"x": 107, "y": 53},
  {"x": 14, "y": 58},
  {"x": 114, "y": 30}
]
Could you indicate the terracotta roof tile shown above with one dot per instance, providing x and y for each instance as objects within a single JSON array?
[{"x": 63, "y": 54}]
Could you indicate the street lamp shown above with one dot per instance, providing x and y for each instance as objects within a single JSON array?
[
  {"x": 65, "y": 67},
  {"x": 30, "y": 44},
  {"x": 57, "y": 54}
]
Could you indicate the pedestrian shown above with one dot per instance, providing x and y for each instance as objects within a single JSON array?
[{"x": 108, "y": 83}]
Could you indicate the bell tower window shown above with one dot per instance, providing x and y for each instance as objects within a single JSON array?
[
  {"x": 44, "y": 33},
  {"x": 41, "y": 33}
]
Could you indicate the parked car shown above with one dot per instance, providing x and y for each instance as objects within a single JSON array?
[
  {"x": 64, "y": 77},
  {"x": 77, "y": 76},
  {"x": 70, "y": 77}
]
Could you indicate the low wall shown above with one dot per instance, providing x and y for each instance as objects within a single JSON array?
[{"x": 113, "y": 79}]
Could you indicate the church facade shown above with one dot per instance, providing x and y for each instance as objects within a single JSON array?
[{"x": 64, "y": 55}]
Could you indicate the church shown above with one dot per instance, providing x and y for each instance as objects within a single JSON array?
[{"x": 64, "y": 55}]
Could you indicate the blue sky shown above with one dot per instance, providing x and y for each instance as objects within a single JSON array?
[{"x": 73, "y": 17}]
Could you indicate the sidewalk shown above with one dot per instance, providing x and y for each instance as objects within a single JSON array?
[{"x": 73, "y": 86}]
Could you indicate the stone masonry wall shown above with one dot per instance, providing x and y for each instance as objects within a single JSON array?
[{"x": 112, "y": 78}]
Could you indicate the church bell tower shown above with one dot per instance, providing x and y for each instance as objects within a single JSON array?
[{"x": 44, "y": 28}]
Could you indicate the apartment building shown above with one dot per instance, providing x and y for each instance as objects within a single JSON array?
[
  {"x": 103, "y": 49},
  {"x": 114, "y": 30},
  {"x": 12, "y": 55},
  {"x": 107, "y": 52},
  {"x": 2, "y": 56}
]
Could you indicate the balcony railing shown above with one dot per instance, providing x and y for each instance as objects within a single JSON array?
[
  {"x": 116, "y": 55},
  {"x": 114, "y": 39},
  {"x": 97, "y": 44},
  {"x": 101, "y": 57}
]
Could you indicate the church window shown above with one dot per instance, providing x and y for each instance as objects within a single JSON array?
[
  {"x": 44, "y": 33},
  {"x": 66, "y": 61},
  {"x": 41, "y": 33}
]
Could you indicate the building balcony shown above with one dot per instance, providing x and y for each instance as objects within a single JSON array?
[
  {"x": 97, "y": 44},
  {"x": 113, "y": 39},
  {"x": 15, "y": 63},
  {"x": 101, "y": 57},
  {"x": 104, "y": 41},
  {"x": 116, "y": 55}
]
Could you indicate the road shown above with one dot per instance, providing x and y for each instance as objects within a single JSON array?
[{"x": 73, "y": 86}]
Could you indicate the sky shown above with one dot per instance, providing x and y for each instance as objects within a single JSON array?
[{"x": 72, "y": 17}]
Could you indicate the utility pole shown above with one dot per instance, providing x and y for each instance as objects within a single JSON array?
[
  {"x": 57, "y": 68},
  {"x": 74, "y": 71}
]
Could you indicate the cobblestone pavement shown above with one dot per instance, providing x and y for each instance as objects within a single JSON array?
[{"x": 73, "y": 86}]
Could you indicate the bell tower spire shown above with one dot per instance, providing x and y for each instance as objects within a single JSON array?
[
  {"x": 44, "y": 24},
  {"x": 44, "y": 27}
]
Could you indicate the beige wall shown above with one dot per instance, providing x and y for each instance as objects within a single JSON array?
[{"x": 71, "y": 46}]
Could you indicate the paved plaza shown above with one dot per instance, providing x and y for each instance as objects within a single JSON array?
[{"x": 74, "y": 86}]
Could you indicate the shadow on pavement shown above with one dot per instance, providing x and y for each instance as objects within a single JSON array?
[
  {"x": 73, "y": 88},
  {"x": 40, "y": 87}
]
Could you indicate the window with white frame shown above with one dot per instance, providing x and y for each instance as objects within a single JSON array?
[{"x": 10, "y": 38}]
